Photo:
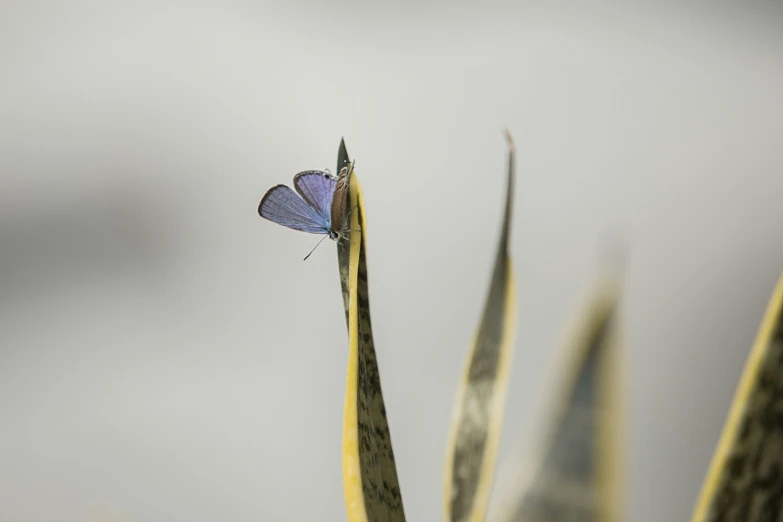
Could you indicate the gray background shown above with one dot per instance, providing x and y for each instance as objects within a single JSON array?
[{"x": 166, "y": 355}]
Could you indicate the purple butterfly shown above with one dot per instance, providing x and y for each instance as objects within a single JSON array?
[{"x": 313, "y": 209}]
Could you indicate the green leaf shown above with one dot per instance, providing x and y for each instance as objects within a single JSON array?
[
  {"x": 372, "y": 491},
  {"x": 479, "y": 406}
]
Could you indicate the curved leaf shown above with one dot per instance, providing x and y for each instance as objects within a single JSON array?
[
  {"x": 745, "y": 480},
  {"x": 480, "y": 400},
  {"x": 372, "y": 491}
]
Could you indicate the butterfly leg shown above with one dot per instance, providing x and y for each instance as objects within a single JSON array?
[
  {"x": 346, "y": 224},
  {"x": 349, "y": 213}
]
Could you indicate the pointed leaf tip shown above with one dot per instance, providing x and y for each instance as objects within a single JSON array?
[
  {"x": 509, "y": 139},
  {"x": 342, "y": 156}
]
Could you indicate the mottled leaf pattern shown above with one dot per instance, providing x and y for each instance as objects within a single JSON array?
[
  {"x": 478, "y": 412},
  {"x": 372, "y": 492},
  {"x": 745, "y": 481}
]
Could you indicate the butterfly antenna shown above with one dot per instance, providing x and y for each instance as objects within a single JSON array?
[{"x": 316, "y": 246}]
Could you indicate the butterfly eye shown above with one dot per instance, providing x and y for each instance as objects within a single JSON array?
[{"x": 326, "y": 175}]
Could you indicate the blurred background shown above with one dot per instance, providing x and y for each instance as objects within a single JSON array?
[{"x": 166, "y": 355}]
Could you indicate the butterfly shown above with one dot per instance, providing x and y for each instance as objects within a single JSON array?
[{"x": 313, "y": 208}]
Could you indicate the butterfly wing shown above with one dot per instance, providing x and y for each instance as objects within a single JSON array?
[
  {"x": 283, "y": 206},
  {"x": 339, "y": 209},
  {"x": 317, "y": 189}
]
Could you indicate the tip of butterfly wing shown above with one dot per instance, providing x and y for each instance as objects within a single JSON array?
[
  {"x": 264, "y": 198},
  {"x": 299, "y": 175}
]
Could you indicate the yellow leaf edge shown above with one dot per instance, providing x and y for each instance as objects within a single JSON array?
[
  {"x": 497, "y": 412},
  {"x": 745, "y": 389},
  {"x": 352, "y": 476},
  {"x": 612, "y": 391}
]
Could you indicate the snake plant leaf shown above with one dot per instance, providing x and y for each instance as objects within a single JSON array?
[
  {"x": 478, "y": 411},
  {"x": 372, "y": 491},
  {"x": 745, "y": 479},
  {"x": 578, "y": 478}
]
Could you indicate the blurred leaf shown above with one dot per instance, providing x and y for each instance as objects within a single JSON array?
[
  {"x": 478, "y": 411},
  {"x": 578, "y": 478},
  {"x": 745, "y": 480},
  {"x": 372, "y": 491}
]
